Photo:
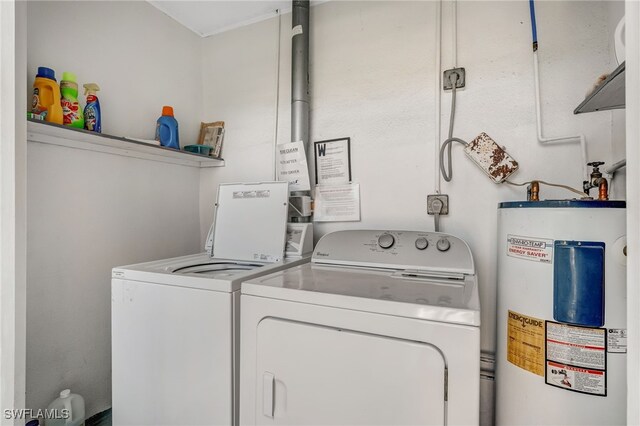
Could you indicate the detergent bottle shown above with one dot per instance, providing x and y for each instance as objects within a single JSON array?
[
  {"x": 92, "y": 116},
  {"x": 46, "y": 96},
  {"x": 68, "y": 410},
  {"x": 167, "y": 129},
  {"x": 72, "y": 114}
]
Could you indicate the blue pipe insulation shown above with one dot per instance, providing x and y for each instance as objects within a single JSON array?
[{"x": 534, "y": 29}]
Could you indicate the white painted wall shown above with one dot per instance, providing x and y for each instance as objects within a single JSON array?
[
  {"x": 89, "y": 211},
  {"x": 140, "y": 58},
  {"x": 13, "y": 268},
  {"x": 372, "y": 78},
  {"x": 239, "y": 72}
]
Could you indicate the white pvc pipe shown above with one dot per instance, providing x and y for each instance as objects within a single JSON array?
[
  {"x": 438, "y": 91},
  {"x": 277, "y": 101},
  {"x": 557, "y": 140},
  {"x": 615, "y": 167},
  {"x": 454, "y": 36}
]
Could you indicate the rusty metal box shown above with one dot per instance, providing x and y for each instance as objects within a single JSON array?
[{"x": 491, "y": 158}]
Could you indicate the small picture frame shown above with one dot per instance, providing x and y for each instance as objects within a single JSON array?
[
  {"x": 212, "y": 134},
  {"x": 333, "y": 161}
]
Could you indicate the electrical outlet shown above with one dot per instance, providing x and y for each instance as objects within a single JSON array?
[
  {"x": 446, "y": 79},
  {"x": 444, "y": 199}
]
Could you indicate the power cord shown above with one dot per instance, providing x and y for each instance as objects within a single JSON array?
[
  {"x": 437, "y": 209},
  {"x": 557, "y": 185},
  {"x": 448, "y": 175},
  {"x": 448, "y": 143}
]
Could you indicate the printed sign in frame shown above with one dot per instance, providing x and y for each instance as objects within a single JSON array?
[
  {"x": 333, "y": 161},
  {"x": 576, "y": 358}
]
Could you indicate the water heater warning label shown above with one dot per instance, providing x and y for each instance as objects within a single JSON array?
[
  {"x": 528, "y": 248},
  {"x": 525, "y": 342},
  {"x": 583, "y": 380},
  {"x": 576, "y": 358}
]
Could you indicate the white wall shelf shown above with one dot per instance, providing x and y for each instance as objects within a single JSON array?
[{"x": 55, "y": 134}]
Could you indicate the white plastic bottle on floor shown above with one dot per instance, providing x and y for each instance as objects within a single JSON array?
[{"x": 69, "y": 405}]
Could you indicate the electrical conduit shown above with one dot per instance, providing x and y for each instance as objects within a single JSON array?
[
  {"x": 536, "y": 73},
  {"x": 438, "y": 91},
  {"x": 454, "y": 32}
]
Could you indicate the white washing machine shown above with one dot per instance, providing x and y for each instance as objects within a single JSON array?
[
  {"x": 175, "y": 321},
  {"x": 381, "y": 328}
]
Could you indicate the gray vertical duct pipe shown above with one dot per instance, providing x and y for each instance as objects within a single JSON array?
[
  {"x": 300, "y": 72},
  {"x": 300, "y": 85}
]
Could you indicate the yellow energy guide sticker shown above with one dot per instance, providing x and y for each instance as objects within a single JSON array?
[{"x": 525, "y": 342}]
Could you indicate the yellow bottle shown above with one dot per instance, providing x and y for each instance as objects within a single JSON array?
[{"x": 46, "y": 96}]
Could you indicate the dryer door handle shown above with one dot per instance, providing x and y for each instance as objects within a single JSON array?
[{"x": 268, "y": 390}]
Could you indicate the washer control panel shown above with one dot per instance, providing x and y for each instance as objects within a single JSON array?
[
  {"x": 386, "y": 241},
  {"x": 402, "y": 250},
  {"x": 443, "y": 244},
  {"x": 422, "y": 243}
]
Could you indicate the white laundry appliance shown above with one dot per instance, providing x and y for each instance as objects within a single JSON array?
[
  {"x": 381, "y": 328},
  {"x": 175, "y": 322}
]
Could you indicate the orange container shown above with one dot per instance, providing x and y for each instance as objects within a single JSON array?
[{"x": 46, "y": 96}]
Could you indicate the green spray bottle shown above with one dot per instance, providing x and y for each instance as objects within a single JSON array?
[{"x": 72, "y": 114}]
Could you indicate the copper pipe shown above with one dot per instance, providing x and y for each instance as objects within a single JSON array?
[
  {"x": 534, "y": 191},
  {"x": 603, "y": 190}
]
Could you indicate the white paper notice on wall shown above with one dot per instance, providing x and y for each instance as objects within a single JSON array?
[
  {"x": 296, "y": 30},
  {"x": 292, "y": 166},
  {"x": 337, "y": 203}
]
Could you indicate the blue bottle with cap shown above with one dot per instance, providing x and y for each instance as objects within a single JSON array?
[{"x": 167, "y": 129}]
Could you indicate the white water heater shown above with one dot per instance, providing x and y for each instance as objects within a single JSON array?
[{"x": 561, "y": 318}]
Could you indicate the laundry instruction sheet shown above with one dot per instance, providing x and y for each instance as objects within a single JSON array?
[{"x": 337, "y": 203}]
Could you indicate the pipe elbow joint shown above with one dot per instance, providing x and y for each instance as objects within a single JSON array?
[{"x": 603, "y": 189}]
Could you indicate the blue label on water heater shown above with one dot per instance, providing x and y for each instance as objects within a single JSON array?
[{"x": 578, "y": 283}]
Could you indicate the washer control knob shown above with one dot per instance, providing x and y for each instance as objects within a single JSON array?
[
  {"x": 386, "y": 241},
  {"x": 422, "y": 243},
  {"x": 443, "y": 244}
]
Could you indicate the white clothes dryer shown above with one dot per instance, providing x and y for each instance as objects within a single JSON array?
[
  {"x": 175, "y": 322},
  {"x": 381, "y": 328}
]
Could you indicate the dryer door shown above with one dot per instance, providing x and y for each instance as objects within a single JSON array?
[{"x": 310, "y": 374}]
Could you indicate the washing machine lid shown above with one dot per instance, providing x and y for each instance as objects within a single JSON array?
[
  {"x": 250, "y": 221},
  {"x": 200, "y": 271},
  {"x": 392, "y": 292}
]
